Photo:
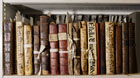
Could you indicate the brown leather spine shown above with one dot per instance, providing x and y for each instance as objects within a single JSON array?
[
  {"x": 118, "y": 48},
  {"x": 53, "y": 38},
  {"x": 44, "y": 36},
  {"x": 36, "y": 43},
  {"x": 76, "y": 48},
  {"x": 125, "y": 48},
  {"x": 8, "y": 48},
  {"x": 63, "y": 53},
  {"x": 102, "y": 48},
  {"x": 132, "y": 51}
]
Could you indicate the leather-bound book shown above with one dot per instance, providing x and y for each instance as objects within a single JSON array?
[
  {"x": 118, "y": 41},
  {"x": 28, "y": 49},
  {"x": 53, "y": 38},
  {"x": 92, "y": 48},
  {"x": 109, "y": 38},
  {"x": 8, "y": 48},
  {"x": 132, "y": 51},
  {"x": 125, "y": 48},
  {"x": 44, "y": 45},
  {"x": 63, "y": 53},
  {"x": 102, "y": 48},
  {"x": 83, "y": 43},
  {"x": 76, "y": 48},
  {"x": 36, "y": 48}
]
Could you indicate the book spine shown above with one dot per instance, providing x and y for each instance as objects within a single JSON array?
[
  {"x": 132, "y": 51},
  {"x": 20, "y": 48},
  {"x": 44, "y": 47},
  {"x": 109, "y": 32},
  {"x": 36, "y": 49},
  {"x": 63, "y": 53},
  {"x": 92, "y": 48},
  {"x": 8, "y": 48},
  {"x": 53, "y": 38},
  {"x": 76, "y": 48},
  {"x": 83, "y": 42},
  {"x": 125, "y": 48},
  {"x": 28, "y": 49},
  {"x": 102, "y": 48},
  {"x": 118, "y": 46}
]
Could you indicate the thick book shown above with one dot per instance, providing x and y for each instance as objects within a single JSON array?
[
  {"x": 63, "y": 52},
  {"x": 54, "y": 49},
  {"x": 102, "y": 53},
  {"x": 125, "y": 49},
  {"x": 92, "y": 48},
  {"x": 28, "y": 50},
  {"x": 109, "y": 39},
  {"x": 44, "y": 45},
  {"x": 83, "y": 47},
  {"x": 132, "y": 51},
  {"x": 8, "y": 47}
]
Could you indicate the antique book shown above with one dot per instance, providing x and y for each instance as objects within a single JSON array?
[
  {"x": 132, "y": 51},
  {"x": 125, "y": 48},
  {"x": 36, "y": 48},
  {"x": 53, "y": 39},
  {"x": 102, "y": 62},
  {"x": 8, "y": 47},
  {"x": 28, "y": 49},
  {"x": 118, "y": 48},
  {"x": 83, "y": 43},
  {"x": 63, "y": 52},
  {"x": 44, "y": 45},
  {"x": 76, "y": 47},
  {"x": 109, "y": 38},
  {"x": 92, "y": 48}
]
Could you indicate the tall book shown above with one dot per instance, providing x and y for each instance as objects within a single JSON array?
[
  {"x": 83, "y": 43},
  {"x": 125, "y": 49},
  {"x": 8, "y": 47},
  {"x": 53, "y": 38},
  {"x": 36, "y": 48},
  {"x": 92, "y": 48},
  {"x": 109, "y": 38},
  {"x": 44, "y": 47},
  {"x": 132, "y": 51},
  {"x": 63, "y": 52}
]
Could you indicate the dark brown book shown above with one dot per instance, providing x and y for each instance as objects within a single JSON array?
[
  {"x": 53, "y": 38},
  {"x": 132, "y": 51},
  {"x": 125, "y": 48},
  {"x": 8, "y": 48},
  {"x": 63, "y": 53},
  {"x": 44, "y": 47},
  {"x": 36, "y": 43},
  {"x": 118, "y": 41}
]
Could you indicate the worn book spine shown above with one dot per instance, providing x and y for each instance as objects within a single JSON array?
[
  {"x": 44, "y": 47},
  {"x": 118, "y": 41},
  {"x": 28, "y": 49},
  {"x": 83, "y": 43},
  {"x": 53, "y": 38},
  {"x": 102, "y": 48},
  {"x": 20, "y": 47},
  {"x": 76, "y": 48},
  {"x": 132, "y": 51},
  {"x": 36, "y": 48},
  {"x": 8, "y": 48},
  {"x": 92, "y": 48},
  {"x": 63, "y": 52},
  {"x": 125, "y": 48},
  {"x": 109, "y": 33},
  {"x": 70, "y": 54}
]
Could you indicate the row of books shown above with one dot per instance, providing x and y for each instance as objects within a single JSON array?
[{"x": 75, "y": 47}]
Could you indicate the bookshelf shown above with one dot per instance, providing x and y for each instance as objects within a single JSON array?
[{"x": 73, "y": 6}]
